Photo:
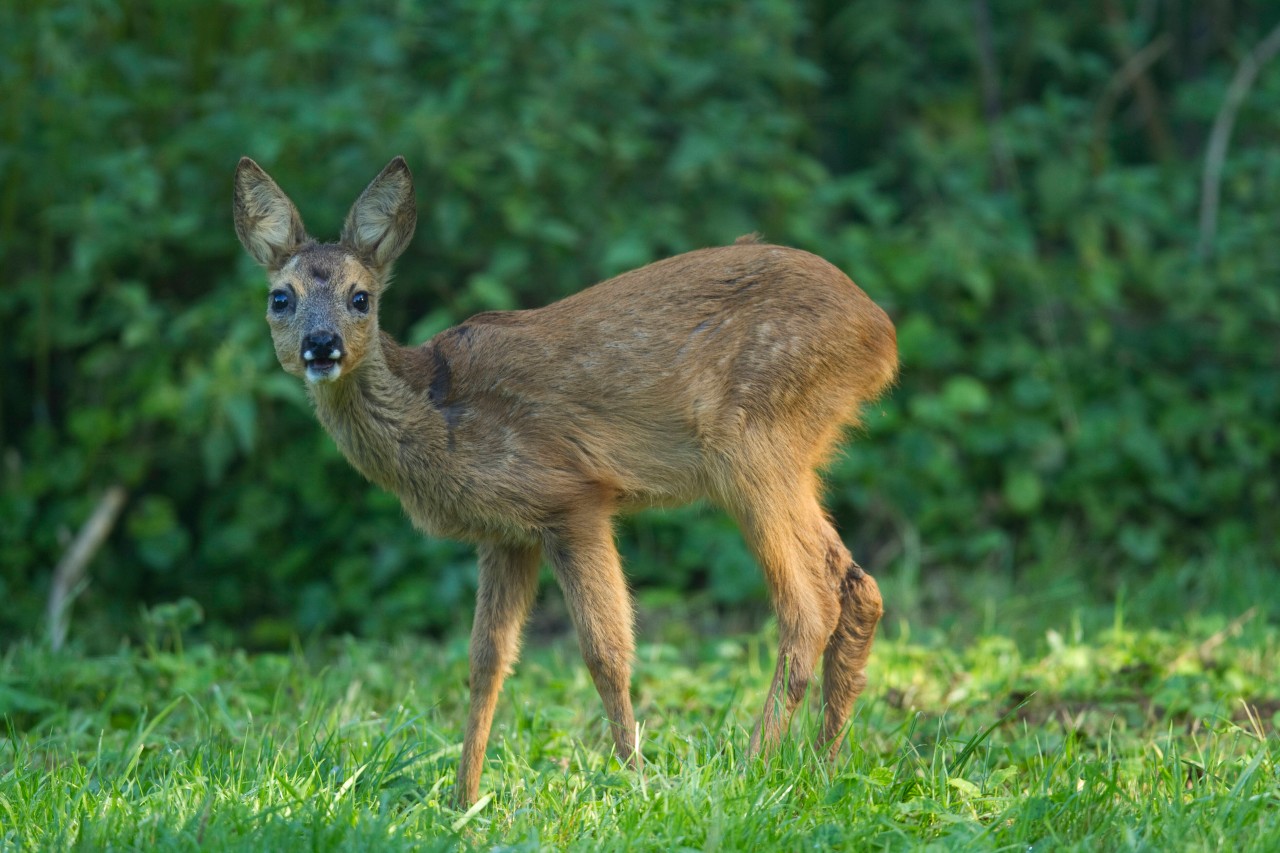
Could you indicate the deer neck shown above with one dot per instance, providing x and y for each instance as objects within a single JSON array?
[{"x": 380, "y": 419}]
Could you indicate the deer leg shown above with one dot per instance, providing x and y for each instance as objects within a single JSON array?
[
  {"x": 786, "y": 535},
  {"x": 845, "y": 660},
  {"x": 589, "y": 571},
  {"x": 508, "y": 585}
]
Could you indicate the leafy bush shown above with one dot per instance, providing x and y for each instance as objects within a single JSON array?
[{"x": 1075, "y": 379}]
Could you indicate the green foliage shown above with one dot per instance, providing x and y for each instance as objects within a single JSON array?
[
  {"x": 1075, "y": 380},
  {"x": 1128, "y": 739}
]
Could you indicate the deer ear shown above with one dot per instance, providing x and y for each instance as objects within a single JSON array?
[
  {"x": 381, "y": 222},
  {"x": 267, "y": 223}
]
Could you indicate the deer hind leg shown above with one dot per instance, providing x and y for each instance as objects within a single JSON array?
[
  {"x": 785, "y": 528},
  {"x": 845, "y": 660},
  {"x": 508, "y": 585},
  {"x": 587, "y": 567}
]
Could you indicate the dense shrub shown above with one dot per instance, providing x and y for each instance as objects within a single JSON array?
[{"x": 1078, "y": 384}]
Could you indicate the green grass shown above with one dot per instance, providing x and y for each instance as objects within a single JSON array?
[{"x": 1123, "y": 738}]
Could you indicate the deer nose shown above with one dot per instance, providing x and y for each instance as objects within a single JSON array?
[{"x": 321, "y": 346}]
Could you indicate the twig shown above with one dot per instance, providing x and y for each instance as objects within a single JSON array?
[
  {"x": 1220, "y": 137},
  {"x": 69, "y": 577},
  {"x": 1148, "y": 96},
  {"x": 1209, "y": 646},
  {"x": 1133, "y": 70}
]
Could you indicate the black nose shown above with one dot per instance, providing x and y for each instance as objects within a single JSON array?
[{"x": 321, "y": 346}]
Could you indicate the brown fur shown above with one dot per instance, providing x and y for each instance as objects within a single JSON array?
[{"x": 724, "y": 374}]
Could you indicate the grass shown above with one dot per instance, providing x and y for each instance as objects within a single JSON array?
[{"x": 1116, "y": 738}]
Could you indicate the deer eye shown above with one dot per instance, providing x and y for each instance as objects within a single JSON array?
[
  {"x": 360, "y": 302},
  {"x": 278, "y": 301}
]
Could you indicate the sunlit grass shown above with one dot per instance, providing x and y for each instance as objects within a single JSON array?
[{"x": 1124, "y": 738}]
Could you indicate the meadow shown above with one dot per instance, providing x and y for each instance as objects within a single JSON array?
[{"x": 1096, "y": 732}]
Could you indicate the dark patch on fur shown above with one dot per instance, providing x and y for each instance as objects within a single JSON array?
[
  {"x": 439, "y": 390},
  {"x": 407, "y": 365},
  {"x": 441, "y": 378},
  {"x": 697, "y": 330},
  {"x": 852, "y": 576},
  {"x": 457, "y": 334},
  {"x": 577, "y": 443},
  {"x": 741, "y": 282},
  {"x": 842, "y": 569},
  {"x": 321, "y": 259}
]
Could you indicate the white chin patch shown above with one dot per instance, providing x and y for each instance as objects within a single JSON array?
[{"x": 329, "y": 374}]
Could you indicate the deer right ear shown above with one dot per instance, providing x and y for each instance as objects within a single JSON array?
[
  {"x": 381, "y": 222},
  {"x": 267, "y": 223}
]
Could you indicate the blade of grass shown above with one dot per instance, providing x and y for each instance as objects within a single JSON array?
[
  {"x": 140, "y": 742},
  {"x": 967, "y": 753}
]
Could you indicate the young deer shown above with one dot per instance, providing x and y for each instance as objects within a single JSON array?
[{"x": 725, "y": 374}]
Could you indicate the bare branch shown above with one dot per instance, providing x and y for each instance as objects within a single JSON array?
[
  {"x": 1144, "y": 88},
  {"x": 1133, "y": 70},
  {"x": 69, "y": 577},
  {"x": 1220, "y": 137}
]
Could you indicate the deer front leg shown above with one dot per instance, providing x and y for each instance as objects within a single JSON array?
[
  {"x": 508, "y": 584},
  {"x": 589, "y": 571}
]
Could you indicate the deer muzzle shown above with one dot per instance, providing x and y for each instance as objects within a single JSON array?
[{"x": 322, "y": 354}]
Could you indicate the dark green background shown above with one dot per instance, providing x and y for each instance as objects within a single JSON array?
[{"x": 1088, "y": 406}]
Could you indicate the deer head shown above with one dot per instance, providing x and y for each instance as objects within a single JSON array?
[{"x": 322, "y": 305}]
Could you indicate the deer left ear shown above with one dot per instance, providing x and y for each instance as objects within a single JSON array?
[
  {"x": 267, "y": 223},
  {"x": 381, "y": 222}
]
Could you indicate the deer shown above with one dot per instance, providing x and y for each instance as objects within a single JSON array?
[{"x": 726, "y": 375}]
